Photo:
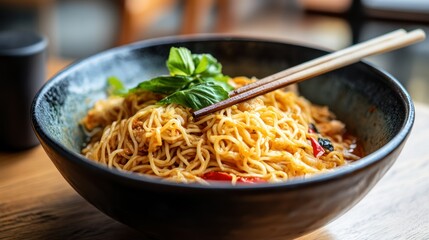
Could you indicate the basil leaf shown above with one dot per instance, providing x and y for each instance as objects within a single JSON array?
[
  {"x": 198, "y": 96},
  {"x": 180, "y": 62},
  {"x": 208, "y": 69},
  {"x": 220, "y": 80},
  {"x": 115, "y": 86},
  {"x": 206, "y": 65},
  {"x": 195, "y": 81},
  {"x": 164, "y": 84}
]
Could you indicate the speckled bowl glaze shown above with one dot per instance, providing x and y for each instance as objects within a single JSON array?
[{"x": 374, "y": 106}]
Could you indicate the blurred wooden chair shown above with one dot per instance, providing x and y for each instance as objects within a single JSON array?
[
  {"x": 195, "y": 12},
  {"x": 138, "y": 15}
]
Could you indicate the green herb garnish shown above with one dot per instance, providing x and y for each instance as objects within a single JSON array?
[
  {"x": 180, "y": 62},
  {"x": 196, "y": 81},
  {"x": 164, "y": 84},
  {"x": 197, "y": 96},
  {"x": 116, "y": 87}
]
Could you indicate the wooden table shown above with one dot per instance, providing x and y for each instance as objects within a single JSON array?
[{"x": 37, "y": 203}]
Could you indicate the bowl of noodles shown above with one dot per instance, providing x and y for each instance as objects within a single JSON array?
[{"x": 119, "y": 127}]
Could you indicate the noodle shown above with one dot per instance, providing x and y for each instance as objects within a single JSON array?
[{"x": 267, "y": 138}]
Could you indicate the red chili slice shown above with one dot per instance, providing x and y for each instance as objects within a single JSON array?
[
  {"x": 222, "y": 176},
  {"x": 312, "y": 128},
  {"x": 250, "y": 180},
  {"x": 217, "y": 176},
  {"x": 317, "y": 149}
]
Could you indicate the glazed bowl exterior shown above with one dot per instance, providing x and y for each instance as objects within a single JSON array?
[{"x": 374, "y": 106}]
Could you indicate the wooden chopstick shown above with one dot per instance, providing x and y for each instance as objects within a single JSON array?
[
  {"x": 320, "y": 60},
  {"x": 338, "y": 62}
]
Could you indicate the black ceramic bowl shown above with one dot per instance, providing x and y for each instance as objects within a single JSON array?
[{"x": 372, "y": 103}]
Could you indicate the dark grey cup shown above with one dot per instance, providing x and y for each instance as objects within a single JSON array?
[{"x": 22, "y": 73}]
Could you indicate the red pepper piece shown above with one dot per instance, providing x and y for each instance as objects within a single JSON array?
[
  {"x": 317, "y": 149},
  {"x": 250, "y": 180},
  {"x": 222, "y": 176},
  {"x": 312, "y": 128},
  {"x": 217, "y": 176}
]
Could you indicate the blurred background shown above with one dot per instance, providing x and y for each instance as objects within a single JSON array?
[{"x": 79, "y": 28}]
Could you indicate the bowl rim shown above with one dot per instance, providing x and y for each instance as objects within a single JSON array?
[{"x": 339, "y": 172}]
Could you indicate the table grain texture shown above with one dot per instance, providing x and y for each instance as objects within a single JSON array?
[{"x": 37, "y": 203}]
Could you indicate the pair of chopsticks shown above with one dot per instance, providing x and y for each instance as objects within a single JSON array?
[{"x": 385, "y": 43}]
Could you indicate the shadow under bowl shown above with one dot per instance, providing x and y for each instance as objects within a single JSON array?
[{"x": 374, "y": 106}]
